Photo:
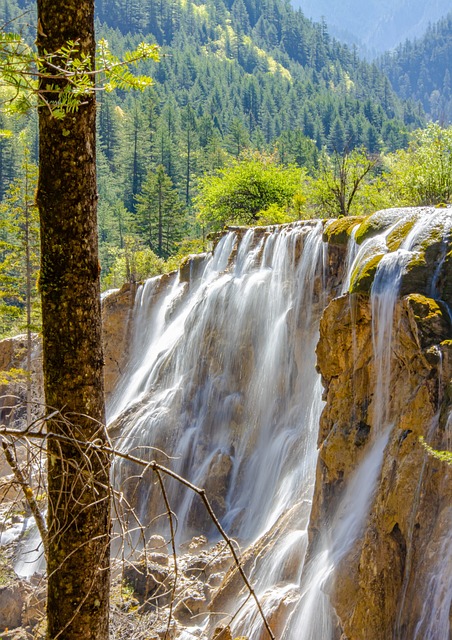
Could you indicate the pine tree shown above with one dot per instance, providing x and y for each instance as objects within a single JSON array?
[
  {"x": 19, "y": 250},
  {"x": 78, "y": 474},
  {"x": 160, "y": 219}
]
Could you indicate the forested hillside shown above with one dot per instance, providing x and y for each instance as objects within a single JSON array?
[
  {"x": 421, "y": 70},
  {"x": 233, "y": 77},
  {"x": 379, "y": 25}
]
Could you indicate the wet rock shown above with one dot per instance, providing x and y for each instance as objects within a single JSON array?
[
  {"x": 380, "y": 582},
  {"x": 158, "y": 544},
  {"x": 222, "y": 633},
  {"x": 151, "y": 582},
  {"x": 337, "y": 232},
  {"x": 374, "y": 225},
  {"x": 34, "y": 605},
  {"x": 196, "y": 544},
  {"x": 116, "y": 326},
  {"x": 13, "y": 393},
  {"x": 192, "y": 267},
  {"x": 214, "y": 580},
  {"x": 191, "y": 606},
  {"x": 278, "y": 610}
]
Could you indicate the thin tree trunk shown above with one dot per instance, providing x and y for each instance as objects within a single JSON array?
[
  {"x": 78, "y": 479},
  {"x": 27, "y": 205}
]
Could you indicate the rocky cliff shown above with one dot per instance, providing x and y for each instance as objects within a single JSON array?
[
  {"x": 386, "y": 581},
  {"x": 394, "y": 574}
]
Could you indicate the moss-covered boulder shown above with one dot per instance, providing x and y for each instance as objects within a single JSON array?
[
  {"x": 429, "y": 270},
  {"x": 364, "y": 274},
  {"x": 380, "y": 221},
  {"x": 399, "y": 233},
  {"x": 428, "y": 319},
  {"x": 337, "y": 232},
  {"x": 422, "y": 236}
]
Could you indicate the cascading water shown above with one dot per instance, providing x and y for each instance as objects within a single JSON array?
[
  {"x": 222, "y": 378},
  {"x": 228, "y": 384}
]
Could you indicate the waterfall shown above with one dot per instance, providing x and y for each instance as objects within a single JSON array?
[
  {"x": 225, "y": 380},
  {"x": 222, "y": 378}
]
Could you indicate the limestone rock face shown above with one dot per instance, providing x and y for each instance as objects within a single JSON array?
[
  {"x": 116, "y": 326},
  {"x": 117, "y": 322},
  {"x": 389, "y": 577}
]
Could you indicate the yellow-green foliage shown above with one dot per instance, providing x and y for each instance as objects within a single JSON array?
[
  {"x": 443, "y": 456},
  {"x": 422, "y": 174},
  {"x": 13, "y": 376},
  {"x": 251, "y": 190}
]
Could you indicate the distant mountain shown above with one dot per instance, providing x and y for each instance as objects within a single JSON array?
[
  {"x": 233, "y": 75},
  {"x": 421, "y": 70},
  {"x": 380, "y": 25}
]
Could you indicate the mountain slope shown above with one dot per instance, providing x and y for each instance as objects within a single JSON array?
[
  {"x": 379, "y": 24},
  {"x": 421, "y": 70},
  {"x": 299, "y": 77}
]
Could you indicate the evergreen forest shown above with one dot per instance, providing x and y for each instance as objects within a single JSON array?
[
  {"x": 243, "y": 88},
  {"x": 420, "y": 69}
]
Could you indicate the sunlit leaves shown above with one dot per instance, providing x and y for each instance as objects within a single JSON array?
[
  {"x": 114, "y": 73},
  {"x": 422, "y": 174},
  {"x": 63, "y": 79},
  {"x": 250, "y": 190}
]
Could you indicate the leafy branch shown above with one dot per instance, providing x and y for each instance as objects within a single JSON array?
[
  {"x": 64, "y": 79},
  {"x": 444, "y": 456}
]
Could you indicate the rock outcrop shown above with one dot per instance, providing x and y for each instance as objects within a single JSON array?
[
  {"x": 117, "y": 311},
  {"x": 387, "y": 578}
]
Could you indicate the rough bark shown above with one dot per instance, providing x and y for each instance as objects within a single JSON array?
[{"x": 78, "y": 514}]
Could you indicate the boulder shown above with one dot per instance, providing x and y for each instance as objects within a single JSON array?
[{"x": 11, "y": 605}]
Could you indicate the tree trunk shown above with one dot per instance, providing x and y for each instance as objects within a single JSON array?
[{"x": 78, "y": 478}]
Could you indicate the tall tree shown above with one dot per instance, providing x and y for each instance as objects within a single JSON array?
[
  {"x": 78, "y": 477},
  {"x": 341, "y": 181},
  {"x": 160, "y": 213},
  {"x": 19, "y": 252}
]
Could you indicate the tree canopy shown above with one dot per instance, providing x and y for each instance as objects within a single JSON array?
[{"x": 247, "y": 191}]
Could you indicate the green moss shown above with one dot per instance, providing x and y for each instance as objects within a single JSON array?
[
  {"x": 364, "y": 274},
  {"x": 376, "y": 223},
  {"x": 423, "y": 308},
  {"x": 398, "y": 234},
  {"x": 428, "y": 253},
  {"x": 337, "y": 232},
  {"x": 432, "y": 236}
]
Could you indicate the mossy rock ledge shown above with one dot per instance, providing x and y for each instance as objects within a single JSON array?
[
  {"x": 428, "y": 270},
  {"x": 337, "y": 232}
]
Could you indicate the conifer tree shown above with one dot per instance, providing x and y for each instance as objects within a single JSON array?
[
  {"x": 19, "y": 251},
  {"x": 160, "y": 213}
]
